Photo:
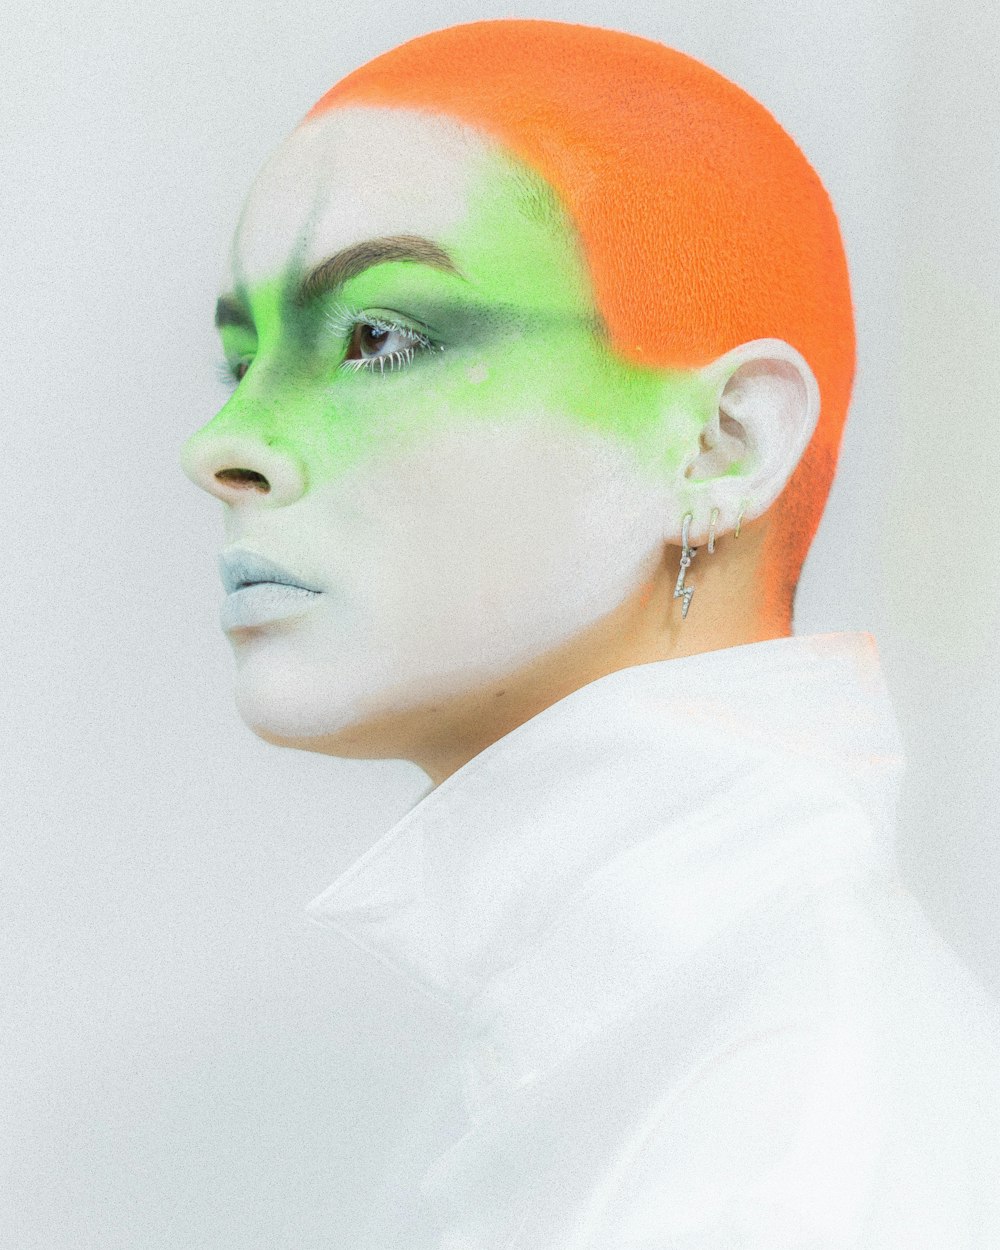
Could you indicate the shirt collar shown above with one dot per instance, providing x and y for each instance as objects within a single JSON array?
[{"x": 481, "y": 865}]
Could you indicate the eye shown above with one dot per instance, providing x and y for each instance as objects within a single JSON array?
[
  {"x": 231, "y": 374},
  {"x": 377, "y": 344}
]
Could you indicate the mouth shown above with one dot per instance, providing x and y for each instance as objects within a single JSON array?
[
  {"x": 239, "y": 568},
  {"x": 259, "y": 591}
]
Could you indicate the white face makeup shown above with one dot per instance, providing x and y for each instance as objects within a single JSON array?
[
  {"x": 355, "y": 174},
  {"x": 469, "y": 502}
]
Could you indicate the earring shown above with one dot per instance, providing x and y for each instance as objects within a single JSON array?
[
  {"x": 739, "y": 522},
  {"x": 688, "y": 553},
  {"x": 711, "y": 531}
]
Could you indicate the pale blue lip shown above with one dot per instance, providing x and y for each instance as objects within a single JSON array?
[
  {"x": 264, "y": 602},
  {"x": 239, "y": 568}
]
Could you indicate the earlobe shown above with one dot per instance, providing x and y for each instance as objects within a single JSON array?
[{"x": 765, "y": 408}]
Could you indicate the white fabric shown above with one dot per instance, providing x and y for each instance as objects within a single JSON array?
[{"x": 697, "y": 1008}]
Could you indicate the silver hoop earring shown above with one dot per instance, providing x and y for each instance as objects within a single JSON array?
[
  {"x": 739, "y": 522},
  {"x": 688, "y": 553},
  {"x": 711, "y": 531}
]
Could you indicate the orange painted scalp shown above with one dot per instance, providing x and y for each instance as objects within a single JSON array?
[{"x": 702, "y": 222}]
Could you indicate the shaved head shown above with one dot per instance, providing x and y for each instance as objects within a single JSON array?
[{"x": 702, "y": 222}]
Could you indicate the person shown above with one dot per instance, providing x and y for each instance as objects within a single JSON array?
[{"x": 542, "y": 344}]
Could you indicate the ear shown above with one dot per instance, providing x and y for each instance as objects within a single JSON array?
[{"x": 764, "y": 404}]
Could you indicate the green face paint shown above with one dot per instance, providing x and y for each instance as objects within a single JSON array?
[
  {"x": 448, "y": 449},
  {"x": 516, "y": 332}
]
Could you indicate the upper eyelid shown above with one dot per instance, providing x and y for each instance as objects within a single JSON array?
[
  {"x": 380, "y": 323},
  {"x": 343, "y": 319}
]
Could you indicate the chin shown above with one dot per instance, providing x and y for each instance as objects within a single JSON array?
[
  {"x": 290, "y": 704},
  {"x": 349, "y": 708}
]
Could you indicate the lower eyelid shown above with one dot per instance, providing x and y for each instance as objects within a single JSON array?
[
  {"x": 379, "y": 364},
  {"x": 396, "y": 360}
]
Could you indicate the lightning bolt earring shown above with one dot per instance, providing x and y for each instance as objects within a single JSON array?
[{"x": 688, "y": 553}]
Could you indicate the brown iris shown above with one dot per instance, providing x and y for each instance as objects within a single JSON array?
[{"x": 366, "y": 341}]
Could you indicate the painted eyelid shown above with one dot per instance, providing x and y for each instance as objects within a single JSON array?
[
  {"x": 343, "y": 319},
  {"x": 392, "y": 327}
]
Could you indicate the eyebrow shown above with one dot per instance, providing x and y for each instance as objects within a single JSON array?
[{"x": 332, "y": 273}]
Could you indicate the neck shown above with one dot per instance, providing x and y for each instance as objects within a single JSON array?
[
  {"x": 740, "y": 738},
  {"x": 726, "y": 611},
  {"x": 732, "y": 606}
]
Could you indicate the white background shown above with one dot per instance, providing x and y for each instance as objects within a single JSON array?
[{"x": 189, "y": 1062}]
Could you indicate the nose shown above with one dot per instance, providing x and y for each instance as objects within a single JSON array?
[{"x": 240, "y": 470}]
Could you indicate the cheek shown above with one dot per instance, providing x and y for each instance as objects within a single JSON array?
[
  {"x": 534, "y": 519},
  {"x": 461, "y": 559}
]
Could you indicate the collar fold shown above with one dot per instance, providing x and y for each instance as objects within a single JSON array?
[{"x": 706, "y": 759}]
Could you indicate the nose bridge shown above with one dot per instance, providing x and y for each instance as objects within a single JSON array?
[{"x": 237, "y": 459}]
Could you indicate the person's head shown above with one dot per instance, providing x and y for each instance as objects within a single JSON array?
[{"x": 511, "y": 301}]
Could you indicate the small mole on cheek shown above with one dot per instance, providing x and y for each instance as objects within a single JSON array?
[{"x": 477, "y": 373}]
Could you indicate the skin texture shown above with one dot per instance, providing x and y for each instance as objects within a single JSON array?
[{"x": 493, "y": 508}]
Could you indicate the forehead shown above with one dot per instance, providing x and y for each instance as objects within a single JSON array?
[{"x": 354, "y": 174}]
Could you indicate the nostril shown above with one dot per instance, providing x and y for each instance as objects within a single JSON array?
[{"x": 244, "y": 477}]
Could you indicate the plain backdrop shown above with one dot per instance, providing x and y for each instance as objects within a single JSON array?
[{"x": 187, "y": 1061}]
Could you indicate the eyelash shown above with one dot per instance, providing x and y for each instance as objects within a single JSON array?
[
  {"x": 227, "y": 375},
  {"x": 343, "y": 321}
]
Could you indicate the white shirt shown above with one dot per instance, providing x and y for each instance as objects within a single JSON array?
[{"x": 697, "y": 1008}]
